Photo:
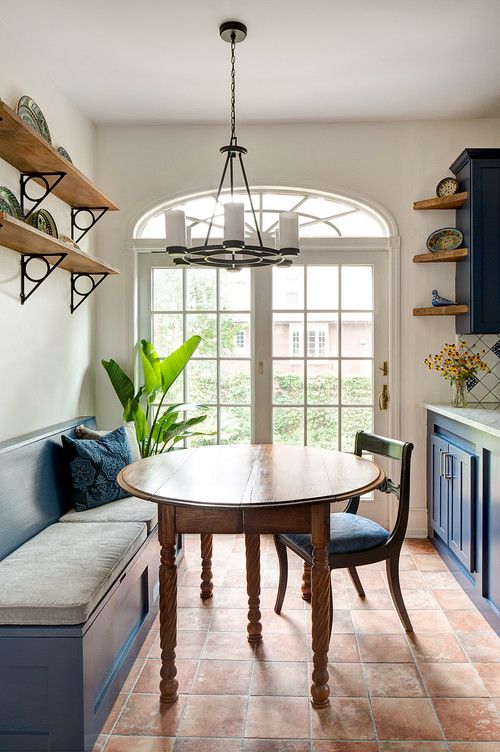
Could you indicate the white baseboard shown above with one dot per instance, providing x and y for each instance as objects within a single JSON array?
[{"x": 417, "y": 524}]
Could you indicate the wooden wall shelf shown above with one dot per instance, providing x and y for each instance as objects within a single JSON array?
[
  {"x": 21, "y": 237},
  {"x": 28, "y": 152},
  {"x": 441, "y": 257},
  {"x": 451, "y": 310},
  {"x": 443, "y": 202}
]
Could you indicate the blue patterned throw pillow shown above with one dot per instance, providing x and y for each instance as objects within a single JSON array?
[{"x": 94, "y": 465}]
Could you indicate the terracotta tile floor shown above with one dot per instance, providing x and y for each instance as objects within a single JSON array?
[{"x": 437, "y": 690}]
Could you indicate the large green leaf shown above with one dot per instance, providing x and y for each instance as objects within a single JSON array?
[
  {"x": 151, "y": 368},
  {"x": 175, "y": 363},
  {"x": 122, "y": 384},
  {"x": 133, "y": 411}
]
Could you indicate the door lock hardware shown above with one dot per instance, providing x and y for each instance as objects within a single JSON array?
[
  {"x": 384, "y": 368},
  {"x": 383, "y": 398}
]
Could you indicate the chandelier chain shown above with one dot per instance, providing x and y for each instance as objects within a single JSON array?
[{"x": 233, "y": 89}]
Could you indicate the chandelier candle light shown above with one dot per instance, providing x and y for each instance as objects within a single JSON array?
[{"x": 233, "y": 253}]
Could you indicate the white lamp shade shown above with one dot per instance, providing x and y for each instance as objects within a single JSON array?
[
  {"x": 289, "y": 230},
  {"x": 234, "y": 223},
  {"x": 175, "y": 225}
]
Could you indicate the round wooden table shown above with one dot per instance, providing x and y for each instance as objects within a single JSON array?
[{"x": 251, "y": 489}]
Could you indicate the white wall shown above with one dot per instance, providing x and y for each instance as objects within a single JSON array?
[
  {"x": 393, "y": 163},
  {"x": 46, "y": 371}
]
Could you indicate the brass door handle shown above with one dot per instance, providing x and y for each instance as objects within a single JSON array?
[{"x": 383, "y": 398}]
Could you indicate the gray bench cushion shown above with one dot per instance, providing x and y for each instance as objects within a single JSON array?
[
  {"x": 60, "y": 575},
  {"x": 123, "y": 510}
]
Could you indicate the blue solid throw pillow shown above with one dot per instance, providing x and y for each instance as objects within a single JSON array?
[{"x": 94, "y": 465}]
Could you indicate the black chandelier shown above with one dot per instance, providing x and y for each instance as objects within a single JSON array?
[{"x": 233, "y": 252}]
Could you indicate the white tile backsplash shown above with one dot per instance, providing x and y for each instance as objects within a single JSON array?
[{"x": 486, "y": 387}]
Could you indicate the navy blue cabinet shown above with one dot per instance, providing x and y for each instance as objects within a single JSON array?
[
  {"x": 478, "y": 275},
  {"x": 452, "y": 502},
  {"x": 463, "y": 496}
]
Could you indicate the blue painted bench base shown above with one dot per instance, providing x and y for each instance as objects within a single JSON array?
[{"x": 58, "y": 684}]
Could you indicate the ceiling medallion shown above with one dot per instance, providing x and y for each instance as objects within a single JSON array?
[{"x": 233, "y": 252}]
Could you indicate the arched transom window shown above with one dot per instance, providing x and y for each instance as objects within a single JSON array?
[{"x": 321, "y": 215}]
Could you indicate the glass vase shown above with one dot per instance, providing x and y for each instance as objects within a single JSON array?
[{"x": 458, "y": 394}]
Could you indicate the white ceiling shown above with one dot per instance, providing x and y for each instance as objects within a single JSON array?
[{"x": 163, "y": 61}]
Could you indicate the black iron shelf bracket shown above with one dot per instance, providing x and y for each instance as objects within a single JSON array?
[
  {"x": 95, "y": 212},
  {"x": 76, "y": 294},
  {"x": 48, "y": 180},
  {"x": 36, "y": 281}
]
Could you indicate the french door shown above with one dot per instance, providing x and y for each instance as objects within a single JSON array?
[{"x": 293, "y": 355}]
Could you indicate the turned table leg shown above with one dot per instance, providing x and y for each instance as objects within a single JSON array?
[
  {"x": 207, "y": 586},
  {"x": 306, "y": 582},
  {"x": 168, "y": 603},
  {"x": 320, "y": 604},
  {"x": 252, "y": 548}
]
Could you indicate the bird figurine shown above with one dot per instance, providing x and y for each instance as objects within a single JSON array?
[{"x": 437, "y": 300}]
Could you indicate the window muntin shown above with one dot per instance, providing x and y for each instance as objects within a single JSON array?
[
  {"x": 320, "y": 215},
  {"x": 323, "y": 366},
  {"x": 216, "y": 305}
]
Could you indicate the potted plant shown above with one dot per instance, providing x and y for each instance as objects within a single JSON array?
[
  {"x": 159, "y": 426},
  {"x": 457, "y": 363}
]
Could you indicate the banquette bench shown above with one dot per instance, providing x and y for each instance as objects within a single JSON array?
[{"x": 78, "y": 594}]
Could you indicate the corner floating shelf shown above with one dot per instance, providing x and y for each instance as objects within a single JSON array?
[
  {"x": 451, "y": 310},
  {"x": 442, "y": 202},
  {"x": 30, "y": 153},
  {"x": 441, "y": 257}
]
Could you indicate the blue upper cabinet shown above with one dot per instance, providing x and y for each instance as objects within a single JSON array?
[{"x": 478, "y": 275}]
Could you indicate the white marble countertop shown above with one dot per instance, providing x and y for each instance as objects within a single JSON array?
[{"x": 482, "y": 415}]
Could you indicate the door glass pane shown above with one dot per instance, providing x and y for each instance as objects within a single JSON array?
[
  {"x": 235, "y": 387},
  {"x": 167, "y": 332},
  {"x": 322, "y": 335},
  {"x": 201, "y": 289},
  {"x": 288, "y": 425},
  {"x": 288, "y": 335},
  {"x": 288, "y": 382},
  {"x": 288, "y": 288},
  {"x": 235, "y": 335},
  {"x": 235, "y": 425},
  {"x": 357, "y": 287},
  {"x": 209, "y": 426},
  {"x": 354, "y": 419},
  {"x": 357, "y": 382},
  {"x": 235, "y": 290},
  {"x": 167, "y": 289},
  {"x": 357, "y": 335},
  {"x": 322, "y": 382},
  {"x": 322, "y": 287},
  {"x": 202, "y": 381},
  {"x": 204, "y": 325},
  {"x": 322, "y": 427}
]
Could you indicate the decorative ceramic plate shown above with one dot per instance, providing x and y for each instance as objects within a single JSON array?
[
  {"x": 44, "y": 221},
  {"x": 62, "y": 151},
  {"x": 446, "y": 239},
  {"x": 27, "y": 104},
  {"x": 447, "y": 187},
  {"x": 9, "y": 203},
  {"x": 28, "y": 118}
]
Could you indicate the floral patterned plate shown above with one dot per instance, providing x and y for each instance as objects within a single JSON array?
[
  {"x": 62, "y": 151},
  {"x": 9, "y": 203},
  {"x": 27, "y": 107},
  {"x": 44, "y": 221},
  {"x": 446, "y": 239}
]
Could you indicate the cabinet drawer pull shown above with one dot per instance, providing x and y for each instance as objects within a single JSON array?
[{"x": 447, "y": 474}]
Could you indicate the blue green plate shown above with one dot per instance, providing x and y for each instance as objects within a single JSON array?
[
  {"x": 9, "y": 203},
  {"x": 30, "y": 112}
]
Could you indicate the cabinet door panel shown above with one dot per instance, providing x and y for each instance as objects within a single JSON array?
[
  {"x": 438, "y": 488},
  {"x": 460, "y": 468}
]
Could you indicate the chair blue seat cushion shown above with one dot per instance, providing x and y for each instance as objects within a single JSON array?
[{"x": 349, "y": 533}]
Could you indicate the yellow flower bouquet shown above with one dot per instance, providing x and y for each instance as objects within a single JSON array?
[{"x": 457, "y": 363}]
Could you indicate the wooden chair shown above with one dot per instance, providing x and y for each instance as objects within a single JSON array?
[{"x": 356, "y": 540}]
